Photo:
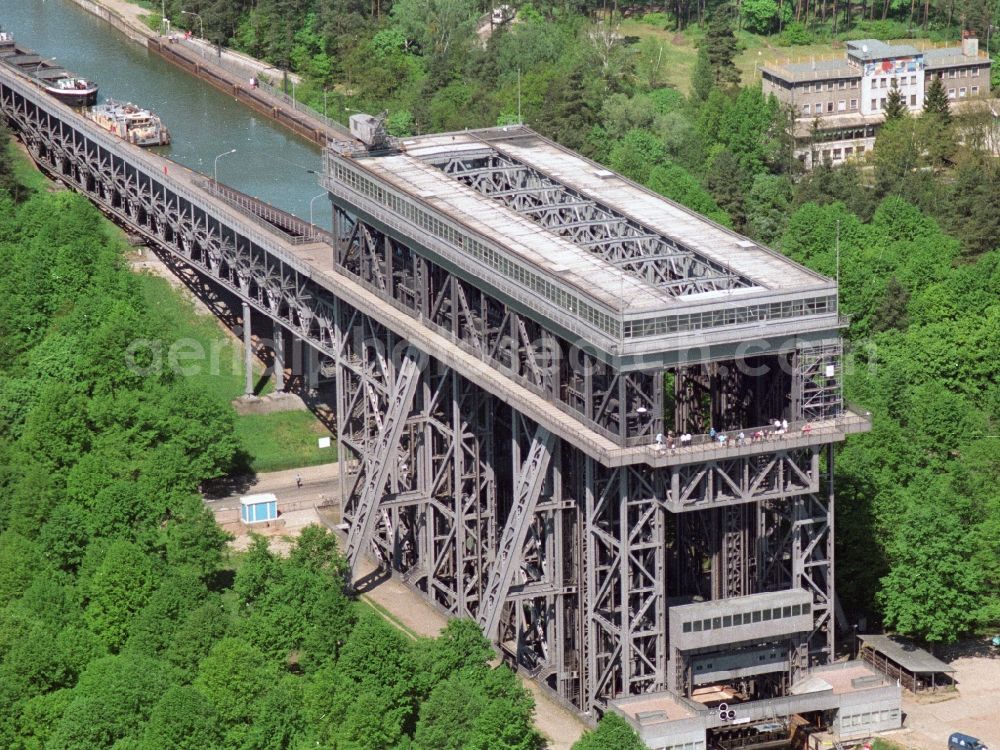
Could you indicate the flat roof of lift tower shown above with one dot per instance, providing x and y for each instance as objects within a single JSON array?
[{"x": 730, "y": 264}]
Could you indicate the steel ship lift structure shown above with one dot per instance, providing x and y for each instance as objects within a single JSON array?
[{"x": 510, "y": 331}]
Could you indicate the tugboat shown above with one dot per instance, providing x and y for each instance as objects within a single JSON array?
[
  {"x": 130, "y": 123},
  {"x": 65, "y": 86}
]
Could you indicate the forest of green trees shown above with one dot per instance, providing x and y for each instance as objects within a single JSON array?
[
  {"x": 124, "y": 625},
  {"x": 918, "y": 509}
]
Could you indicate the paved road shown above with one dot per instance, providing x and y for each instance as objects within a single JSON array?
[{"x": 319, "y": 484}]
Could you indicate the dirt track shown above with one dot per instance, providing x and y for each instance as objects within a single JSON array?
[{"x": 975, "y": 709}]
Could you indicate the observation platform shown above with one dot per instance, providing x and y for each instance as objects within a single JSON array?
[{"x": 593, "y": 254}]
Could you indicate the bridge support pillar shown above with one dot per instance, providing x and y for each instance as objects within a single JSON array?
[
  {"x": 278, "y": 366},
  {"x": 247, "y": 350}
]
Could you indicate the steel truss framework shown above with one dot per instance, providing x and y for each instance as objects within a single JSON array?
[
  {"x": 625, "y": 406},
  {"x": 601, "y": 230},
  {"x": 472, "y": 503}
]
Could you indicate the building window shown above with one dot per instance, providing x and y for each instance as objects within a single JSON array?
[
  {"x": 881, "y": 103},
  {"x": 913, "y": 100},
  {"x": 854, "y": 84},
  {"x": 882, "y": 83},
  {"x": 836, "y": 155},
  {"x": 841, "y": 84},
  {"x": 975, "y": 90},
  {"x": 951, "y": 73},
  {"x": 854, "y": 103},
  {"x": 805, "y": 109},
  {"x": 874, "y": 103},
  {"x": 842, "y": 106},
  {"x": 951, "y": 93},
  {"x": 727, "y": 621},
  {"x": 848, "y": 150},
  {"x": 965, "y": 72},
  {"x": 818, "y": 108},
  {"x": 829, "y": 105},
  {"x": 961, "y": 91}
]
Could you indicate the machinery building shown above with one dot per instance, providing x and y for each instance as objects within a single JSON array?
[{"x": 839, "y": 104}]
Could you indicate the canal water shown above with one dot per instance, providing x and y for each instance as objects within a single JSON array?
[{"x": 270, "y": 163}]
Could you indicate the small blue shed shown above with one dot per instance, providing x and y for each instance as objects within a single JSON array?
[{"x": 258, "y": 508}]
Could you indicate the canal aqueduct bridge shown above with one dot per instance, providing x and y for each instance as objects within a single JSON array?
[{"x": 517, "y": 339}]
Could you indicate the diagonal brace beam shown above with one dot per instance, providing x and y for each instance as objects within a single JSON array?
[
  {"x": 529, "y": 487},
  {"x": 383, "y": 455}
]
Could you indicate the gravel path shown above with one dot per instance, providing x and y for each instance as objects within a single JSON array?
[{"x": 975, "y": 709}]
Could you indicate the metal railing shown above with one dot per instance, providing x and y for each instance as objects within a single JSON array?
[
  {"x": 799, "y": 433},
  {"x": 212, "y": 55},
  {"x": 296, "y": 231}
]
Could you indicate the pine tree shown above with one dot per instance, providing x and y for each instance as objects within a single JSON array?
[
  {"x": 721, "y": 48},
  {"x": 936, "y": 101},
  {"x": 895, "y": 107},
  {"x": 702, "y": 78}
]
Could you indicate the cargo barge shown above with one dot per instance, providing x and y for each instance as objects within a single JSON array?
[
  {"x": 130, "y": 123},
  {"x": 64, "y": 85}
]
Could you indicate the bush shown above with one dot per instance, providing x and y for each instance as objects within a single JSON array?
[
  {"x": 761, "y": 16},
  {"x": 887, "y": 29},
  {"x": 796, "y": 34},
  {"x": 659, "y": 20}
]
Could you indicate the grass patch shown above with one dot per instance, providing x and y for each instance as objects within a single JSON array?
[
  {"x": 880, "y": 743},
  {"x": 395, "y": 621},
  {"x": 25, "y": 171},
  {"x": 283, "y": 440},
  {"x": 679, "y": 52},
  {"x": 213, "y": 361}
]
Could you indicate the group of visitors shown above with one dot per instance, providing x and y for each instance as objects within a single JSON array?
[{"x": 777, "y": 427}]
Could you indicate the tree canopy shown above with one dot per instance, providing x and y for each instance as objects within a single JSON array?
[{"x": 122, "y": 622}]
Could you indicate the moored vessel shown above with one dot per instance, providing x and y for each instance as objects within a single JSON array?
[
  {"x": 64, "y": 85},
  {"x": 130, "y": 123}
]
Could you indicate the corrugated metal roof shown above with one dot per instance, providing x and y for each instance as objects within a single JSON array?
[
  {"x": 558, "y": 256},
  {"x": 906, "y": 655},
  {"x": 408, "y": 171}
]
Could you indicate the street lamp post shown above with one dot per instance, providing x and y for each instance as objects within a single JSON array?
[
  {"x": 215, "y": 167},
  {"x": 311, "y": 222},
  {"x": 201, "y": 23}
]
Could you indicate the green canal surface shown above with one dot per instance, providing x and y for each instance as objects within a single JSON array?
[{"x": 270, "y": 162}]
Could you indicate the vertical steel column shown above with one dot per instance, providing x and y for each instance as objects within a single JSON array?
[
  {"x": 247, "y": 350},
  {"x": 278, "y": 368}
]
